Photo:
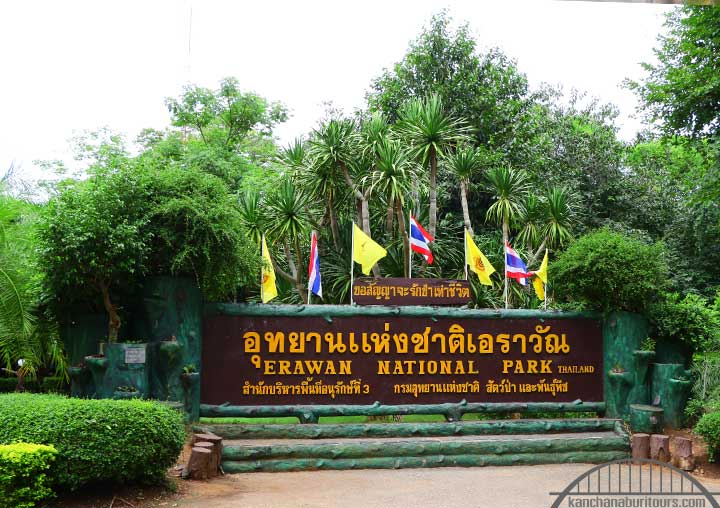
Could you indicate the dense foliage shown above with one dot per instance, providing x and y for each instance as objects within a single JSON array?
[
  {"x": 691, "y": 320},
  {"x": 606, "y": 271},
  {"x": 709, "y": 428},
  {"x": 452, "y": 133},
  {"x": 23, "y": 474},
  {"x": 101, "y": 236},
  {"x": 25, "y": 331},
  {"x": 96, "y": 440},
  {"x": 682, "y": 90}
]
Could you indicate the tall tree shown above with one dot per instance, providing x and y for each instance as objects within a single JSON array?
[
  {"x": 509, "y": 188},
  {"x": 392, "y": 178},
  {"x": 334, "y": 145},
  {"x": 290, "y": 216},
  {"x": 464, "y": 163},
  {"x": 431, "y": 132},
  {"x": 682, "y": 91},
  {"x": 223, "y": 117},
  {"x": 485, "y": 88}
]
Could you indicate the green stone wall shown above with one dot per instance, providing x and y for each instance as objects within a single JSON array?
[
  {"x": 169, "y": 315},
  {"x": 627, "y": 369}
]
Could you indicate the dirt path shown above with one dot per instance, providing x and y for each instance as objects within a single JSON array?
[{"x": 497, "y": 487}]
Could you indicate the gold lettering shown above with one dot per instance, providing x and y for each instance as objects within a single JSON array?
[
  {"x": 506, "y": 365},
  {"x": 445, "y": 367},
  {"x": 269, "y": 367},
  {"x": 345, "y": 367},
  {"x": 383, "y": 366},
  {"x": 459, "y": 367},
  {"x": 284, "y": 367},
  {"x": 313, "y": 366},
  {"x": 471, "y": 367}
]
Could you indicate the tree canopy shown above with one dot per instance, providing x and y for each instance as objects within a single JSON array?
[{"x": 682, "y": 91}]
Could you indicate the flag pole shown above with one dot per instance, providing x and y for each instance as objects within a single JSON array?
[
  {"x": 262, "y": 286},
  {"x": 312, "y": 233},
  {"x": 410, "y": 248},
  {"x": 352, "y": 261},
  {"x": 465, "y": 244},
  {"x": 506, "y": 281},
  {"x": 545, "y": 287}
]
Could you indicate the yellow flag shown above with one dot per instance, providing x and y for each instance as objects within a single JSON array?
[
  {"x": 269, "y": 290},
  {"x": 365, "y": 250},
  {"x": 477, "y": 261},
  {"x": 542, "y": 272},
  {"x": 541, "y": 278},
  {"x": 539, "y": 287}
]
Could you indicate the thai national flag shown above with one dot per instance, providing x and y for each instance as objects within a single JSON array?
[
  {"x": 419, "y": 240},
  {"x": 314, "y": 268},
  {"x": 514, "y": 266}
]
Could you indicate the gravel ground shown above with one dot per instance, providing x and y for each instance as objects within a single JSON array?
[{"x": 496, "y": 487}]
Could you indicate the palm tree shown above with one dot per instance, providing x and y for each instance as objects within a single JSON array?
[
  {"x": 336, "y": 144},
  {"x": 431, "y": 132},
  {"x": 24, "y": 333},
  {"x": 463, "y": 164},
  {"x": 320, "y": 179},
  {"x": 509, "y": 187},
  {"x": 392, "y": 178},
  {"x": 290, "y": 215},
  {"x": 251, "y": 214},
  {"x": 532, "y": 221},
  {"x": 560, "y": 215},
  {"x": 374, "y": 132}
]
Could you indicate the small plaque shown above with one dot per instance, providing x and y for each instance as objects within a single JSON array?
[
  {"x": 400, "y": 291},
  {"x": 135, "y": 354}
]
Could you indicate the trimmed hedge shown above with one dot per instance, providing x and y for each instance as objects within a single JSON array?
[
  {"x": 709, "y": 428},
  {"x": 116, "y": 441},
  {"x": 8, "y": 385},
  {"x": 23, "y": 480},
  {"x": 49, "y": 384},
  {"x": 605, "y": 270}
]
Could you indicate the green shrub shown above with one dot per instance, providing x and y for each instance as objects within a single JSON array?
[
  {"x": 705, "y": 394},
  {"x": 23, "y": 481},
  {"x": 691, "y": 320},
  {"x": 606, "y": 271},
  {"x": 97, "y": 440},
  {"x": 49, "y": 384},
  {"x": 709, "y": 428}
]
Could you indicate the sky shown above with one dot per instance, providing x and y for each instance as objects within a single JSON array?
[{"x": 69, "y": 66}]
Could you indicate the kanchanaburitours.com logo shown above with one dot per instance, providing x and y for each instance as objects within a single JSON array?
[{"x": 640, "y": 483}]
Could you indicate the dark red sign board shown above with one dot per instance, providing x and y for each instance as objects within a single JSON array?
[
  {"x": 399, "y": 360},
  {"x": 399, "y": 291}
]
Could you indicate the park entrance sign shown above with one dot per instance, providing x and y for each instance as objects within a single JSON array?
[{"x": 328, "y": 355}]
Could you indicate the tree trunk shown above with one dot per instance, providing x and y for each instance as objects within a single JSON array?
[
  {"x": 640, "y": 444},
  {"x": 683, "y": 456},
  {"x": 403, "y": 234},
  {"x": 537, "y": 253},
  {"x": 390, "y": 213},
  {"x": 365, "y": 212},
  {"x": 660, "y": 447},
  {"x": 365, "y": 219},
  {"x": 295, "y": 277},
  {"x": 333, "y": 223},
  {"x": 114, "y": 318},
  {"x": 433, "y": 191},
  {"x": 464, "y": 203},
  {"x": 198, "y": 467},
  {"x": 416, "y": 196}
]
